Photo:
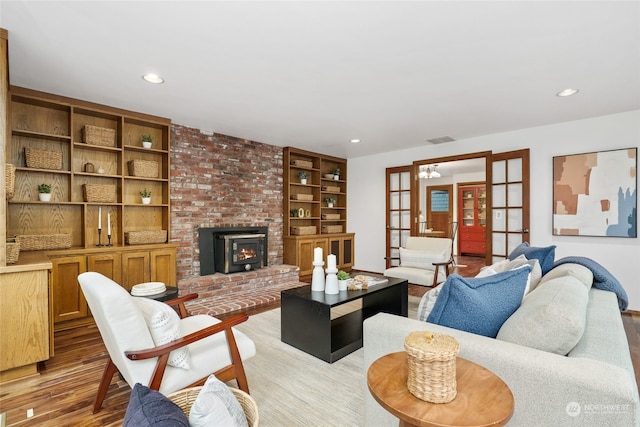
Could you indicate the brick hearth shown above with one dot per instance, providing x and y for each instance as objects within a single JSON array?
[{"x": 225, "y": 293}]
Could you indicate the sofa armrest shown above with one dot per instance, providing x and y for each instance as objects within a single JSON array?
[{"x": 545, "y": 385}]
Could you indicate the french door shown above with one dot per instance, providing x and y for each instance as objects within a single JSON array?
[
  {"x": 509, "y": 202},
  {"x": 398, "y": 221}
]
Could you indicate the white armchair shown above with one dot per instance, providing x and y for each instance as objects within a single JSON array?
[
  {"x": 213, "y": 345},
  {"x": 424, "y": 261}
]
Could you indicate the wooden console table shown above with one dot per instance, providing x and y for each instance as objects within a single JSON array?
[{"x": 483, "y": 399}]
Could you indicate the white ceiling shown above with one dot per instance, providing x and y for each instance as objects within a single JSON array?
[{"x": 315, "y": 74}]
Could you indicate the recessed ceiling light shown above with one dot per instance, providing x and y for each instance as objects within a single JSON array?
[
  {"x": 354, "y": 141},
  {"x": 153, "y": 78},
  {"x": 567, "y": 92}
]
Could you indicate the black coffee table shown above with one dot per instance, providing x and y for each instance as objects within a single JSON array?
[{"x": 306, "y": 317}]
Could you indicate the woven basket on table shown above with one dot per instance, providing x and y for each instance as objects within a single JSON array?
[
  {"x": 37, "y": 242},
  {"x": 185, "y": 398},
  {"x": 431, "y": 359},
  {"x": 9, "y": 180},
  {"x": 95, "y": 135},
  {"x": 143, "y": 168},
  {"x": 42, "y": 159},
  {"x": 99, "y": 193}
]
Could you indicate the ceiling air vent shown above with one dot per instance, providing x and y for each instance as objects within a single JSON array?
[{"x": 440, "y": 140}]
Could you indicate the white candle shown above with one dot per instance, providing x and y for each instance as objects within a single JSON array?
[
  {"x": 99, "y": 218},
  {"x": 331, "y": 262},
  {"x": 317, "y": 255},
  {"x": 109, "y": 223}
]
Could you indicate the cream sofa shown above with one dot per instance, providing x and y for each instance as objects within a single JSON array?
[{"x": 593, "y": 385}]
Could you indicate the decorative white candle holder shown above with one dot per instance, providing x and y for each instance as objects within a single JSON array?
[
  {"x": 317, "y": 276},
  {"x": 331, "y": 286}
]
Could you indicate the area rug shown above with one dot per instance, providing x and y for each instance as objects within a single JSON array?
[{"x": 293, "y": 388}]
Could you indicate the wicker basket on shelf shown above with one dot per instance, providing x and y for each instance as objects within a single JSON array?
[
  {"x": 144, "y": 237},
  {"x": 143, "y": 168},
  {"x": 185, "y": 398},
  {"x": 10, "y": 180},
  {"x": 331, "y": 229},
  {"x": 42, "y": 159},
  {"x": 95, "y": 135},
  {"x": 308, "y": 164},
  {"x": 332, "y": 217},
  {"x": 13, "y": 251},
  {"x": 99, "y": 193},
  {"x": 302, "y": 197},
  {"x": 330, "y": 189},
  {"x": 431, "y": 359},
  {"x": 303, "y": 230},
  {"x": 37, "y": 242}
]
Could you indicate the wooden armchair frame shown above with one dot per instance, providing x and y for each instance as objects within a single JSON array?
[
  {"x": 445, "y": 264},
  {"x": 228, "y": 373}
]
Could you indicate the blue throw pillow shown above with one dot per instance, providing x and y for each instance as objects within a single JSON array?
[
  {"x": 545, "y": 256},
  {"x": 149, "y": 408},
  {"x": 480, "y": 305}
]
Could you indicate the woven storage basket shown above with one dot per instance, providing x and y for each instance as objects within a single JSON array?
[
  {"x": 332, "y": 229},
  {"x": 36, "y": 242},
  {"x": 100, "y": 193},
  {"x": 42, "y": 159},
  {"x": 302, "y": 163},
  {"x": 9, "y": 180},
  {"x": 95, "y": 135},
  {"x": 143, "y": 168},
  {"x": 331, "y": 216},
  {"x": 13, "y": 252},
  {"x": 185, "y": 398},
  {"x": 143, "y": 237},
  {"x": 431, "y": 359},
  {"x": 304, "y": 197},
  {"x": 304, "y": 230},
  {"x": 330, "y": 189}
]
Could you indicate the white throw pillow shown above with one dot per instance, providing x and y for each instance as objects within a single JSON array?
[
  {"x": 536, "y": 271},
  {"x": 164, "y": 325},
  {"x": 216, "y": 405},
  {"x": 421, "y": 259},
  {"x": 427, "y": 302}
]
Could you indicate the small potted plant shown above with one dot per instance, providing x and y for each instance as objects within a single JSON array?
[
  {"x": 303, "y": 177},
  {"x": 330, "y": 201},
  {"x": 343, "y": 278},
  {"x": 147, "y": 141},
  {"x": 44, "y": 192},
  {"x": 146, "y": 196},
  {"x": 336, "y": 173}
]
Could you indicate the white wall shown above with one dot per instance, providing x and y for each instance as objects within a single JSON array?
[{"x": 621, "y": 256}]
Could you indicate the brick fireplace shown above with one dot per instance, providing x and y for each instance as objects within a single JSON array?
[{"x": 221, "y": 181}]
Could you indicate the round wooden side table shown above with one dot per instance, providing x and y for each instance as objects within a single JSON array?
[{"x": 483, "y": 399}]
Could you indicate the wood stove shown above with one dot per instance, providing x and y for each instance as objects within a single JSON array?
[{"x": 232, "y": 249}]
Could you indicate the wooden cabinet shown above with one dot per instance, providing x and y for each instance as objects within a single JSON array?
[
  {"x": 68, "y": 300},
  {"x": 298, "y": 250},
  {"x": 90, "y": 181},
  {"x": 472, "y": 207},
  {"x": 128, "y": 266},
  {"x": 315, "y": 211},
  {"x": 156, "y": 265}
]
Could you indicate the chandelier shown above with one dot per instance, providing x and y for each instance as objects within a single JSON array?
[{"x": 429, "y": 171}]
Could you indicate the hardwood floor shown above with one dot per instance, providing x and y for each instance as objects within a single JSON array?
[{"x": 63, "y": 394}]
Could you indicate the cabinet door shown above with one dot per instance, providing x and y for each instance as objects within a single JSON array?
[
  {"x": 68, "y": 300},
  {"x": 135, "y": 268},
  {"x": 106, "y": 264},
  {"x": 163, "y": 266},
  {"x": 305, "y": 253},
  {"x": 342, "y": 248}
]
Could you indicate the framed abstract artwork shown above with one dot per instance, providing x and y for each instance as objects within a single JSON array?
[{"x": 595, "y": 194}]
